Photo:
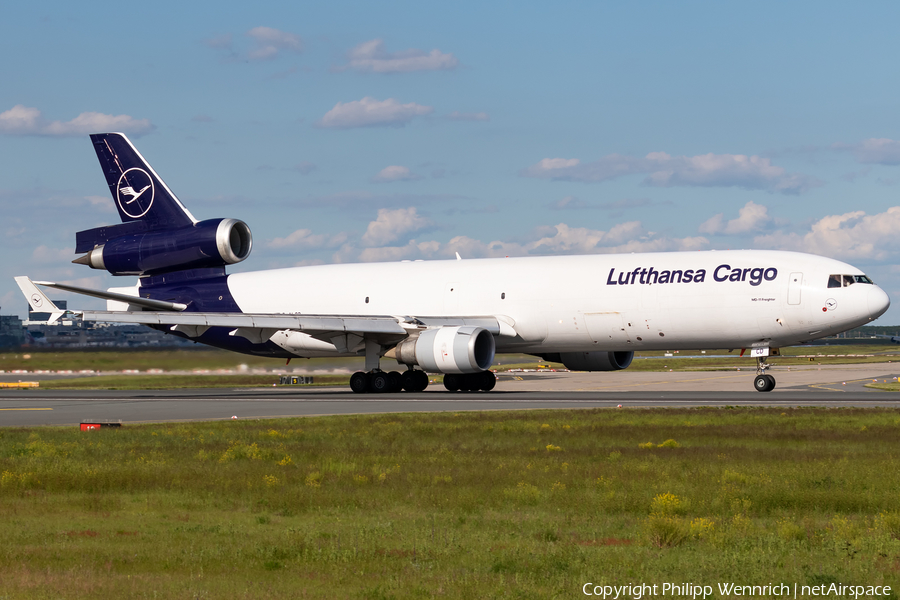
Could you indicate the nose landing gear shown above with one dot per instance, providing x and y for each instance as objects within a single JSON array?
[{"x": 763, "y": 381}]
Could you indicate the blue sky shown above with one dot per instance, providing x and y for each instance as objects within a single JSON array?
[{"x": 381, "y": 131}]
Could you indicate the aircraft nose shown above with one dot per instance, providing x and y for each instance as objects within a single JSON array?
[{"x": 878, "y": 302}]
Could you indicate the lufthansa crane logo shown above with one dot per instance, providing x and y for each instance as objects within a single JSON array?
[
  {"x": 36, "y": 300},
  {"x": 135, "y": 192}
]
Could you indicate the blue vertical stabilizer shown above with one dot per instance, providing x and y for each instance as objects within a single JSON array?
[{"x": 138, "y": 192}]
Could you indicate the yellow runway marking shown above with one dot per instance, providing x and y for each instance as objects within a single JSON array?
[
  {"x": 821, "y": 386},
  {"x": 26, "y": 409}
]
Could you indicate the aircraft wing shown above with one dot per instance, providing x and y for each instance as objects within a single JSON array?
[
  {"x": 257, "y": 328},
  {"x": 308, "y": 323}
]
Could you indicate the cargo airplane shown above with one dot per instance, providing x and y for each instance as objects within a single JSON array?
[{"x": 591, "y": 313}]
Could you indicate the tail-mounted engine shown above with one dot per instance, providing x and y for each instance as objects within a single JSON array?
[
  {"x": 126, "y": 250},
  {"x": 448, "y": 350},
  {"x": 592, "y": 361}
]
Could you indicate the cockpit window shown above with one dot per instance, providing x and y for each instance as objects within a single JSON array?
[{"x": 836, "y": 281}]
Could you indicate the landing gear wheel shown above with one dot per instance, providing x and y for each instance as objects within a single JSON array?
[
  {"x": 421, "y": 379},
  {"x": 764, "y": 383},
  {"x": 396, "y": 381},
  {"x": 381, "y": 382},
  {"x": 408, "y": 381},
  {"x": 453, "y": 382},
  {"x": 359, "y": 382},
  {"x": 488, "y": 381}
]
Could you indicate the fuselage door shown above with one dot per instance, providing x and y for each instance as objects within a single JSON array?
[{"x": 794, "y": 285}]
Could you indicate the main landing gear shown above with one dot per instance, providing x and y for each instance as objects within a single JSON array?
[
  {"x": 380, "y": 381},
  {"x": 763, "y": 381},
  {"x": 470, "y": 382}
]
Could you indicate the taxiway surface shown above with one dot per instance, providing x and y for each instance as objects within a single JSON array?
[{"x": 828, "y": 386}]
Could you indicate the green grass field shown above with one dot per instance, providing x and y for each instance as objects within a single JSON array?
[{"x": 527, "y": 504}]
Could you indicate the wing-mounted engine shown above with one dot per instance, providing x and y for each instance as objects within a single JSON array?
[
  {"x": 134, "y": 249},
  {"x": 448, "y": 350},
  {"x": 592, "y": 361}
]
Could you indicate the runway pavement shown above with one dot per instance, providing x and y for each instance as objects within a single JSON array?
[{"x": 827, "y": 386}]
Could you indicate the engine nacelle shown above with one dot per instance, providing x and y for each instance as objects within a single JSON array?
[
  {"x": 212, "y": 243},
  {"x": 448, "y": 350},
  {"x": 593, "y": 361}
]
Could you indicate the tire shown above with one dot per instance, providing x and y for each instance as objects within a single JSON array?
[
  {"x": 409, "y": 381},
  {"x": 396, "y": 381},
  {"x": 762, "y": 384},
  {"x": 380, "y": 383},
  {"x": 488, "y": 381},
  {"x": 771, "y": 382},
  {"x": 421, "y": 379},
  {"x": 359, "y": 382},
  {"x": 452, "y": 382}
]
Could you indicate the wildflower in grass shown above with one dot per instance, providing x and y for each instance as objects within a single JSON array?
[
  {"x": 274, "y": 433},
  {"x": 647, "y": 446},
  {"x": 271, "y": 480},
  {"x": 314, "y": 479},
  {"x": 558, "y": 486},
  {"x": 667, "y": 504},
  {"x": 741, "y": 524},
  {"x": 552, "y": 448},
  {"x": 360, "y": 479},
  {"x": 523, "y": 492},
  {"x": 702, "y": 528},
  {"x": 670, "y": 443},
  {"x": 889, "y": 522},
  {"x": 566, "y": 427},
  {"x": 285, "y": 462},
  {"x": 614, "y": 456},
  {"x": 382, "y": 477},
  {"x": 842, "y": 528},
  {"x": 789, "y": 531},
  {"x": 8, "y": 479},
  {"x": 545, "y": 428},
  {"x": 564, "y": 467},
  {"x": 666, "y": 531},
  {"x": 202, "y": 455},
  {"x": 438, "y": 479},
  {"x": 602, "y": 481},
  {"x": 237, "y": 451}
]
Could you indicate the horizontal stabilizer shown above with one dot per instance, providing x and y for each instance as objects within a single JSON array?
[
  {"x": 133, "y": 300},
  {"x": 38, "y": 300}
]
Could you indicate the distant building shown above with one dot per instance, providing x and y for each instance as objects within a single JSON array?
[{"x": 12, "y": 334}]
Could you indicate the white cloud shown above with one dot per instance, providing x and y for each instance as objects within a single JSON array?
[
  {"x": 663, "y": 170},
  {"x": 24, "y": 120},
  {"x": 371, "y": 57},
  {"x": 305, "y": 239},
  {"x": 853, "y": 235},
  {"x": 751, "y": 217},
  {"x": 370, "y": 112},
  {"x": 461, "y": 116},
  {"x": 45, "y": 255},
  {"x": 394, "y": 173},
  {"x": 874, "y": 151},
  {"x": 391, "y": 224},
  {"x": 270, "y": 41},
  {"x": 560, "y": 239},
  {"x": 413, "y": 249}
]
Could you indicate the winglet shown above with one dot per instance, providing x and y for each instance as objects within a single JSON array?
[{"x": 38, "y": 300}]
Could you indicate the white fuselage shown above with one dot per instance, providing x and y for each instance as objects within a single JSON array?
[{"x": 612, "y": 302}]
